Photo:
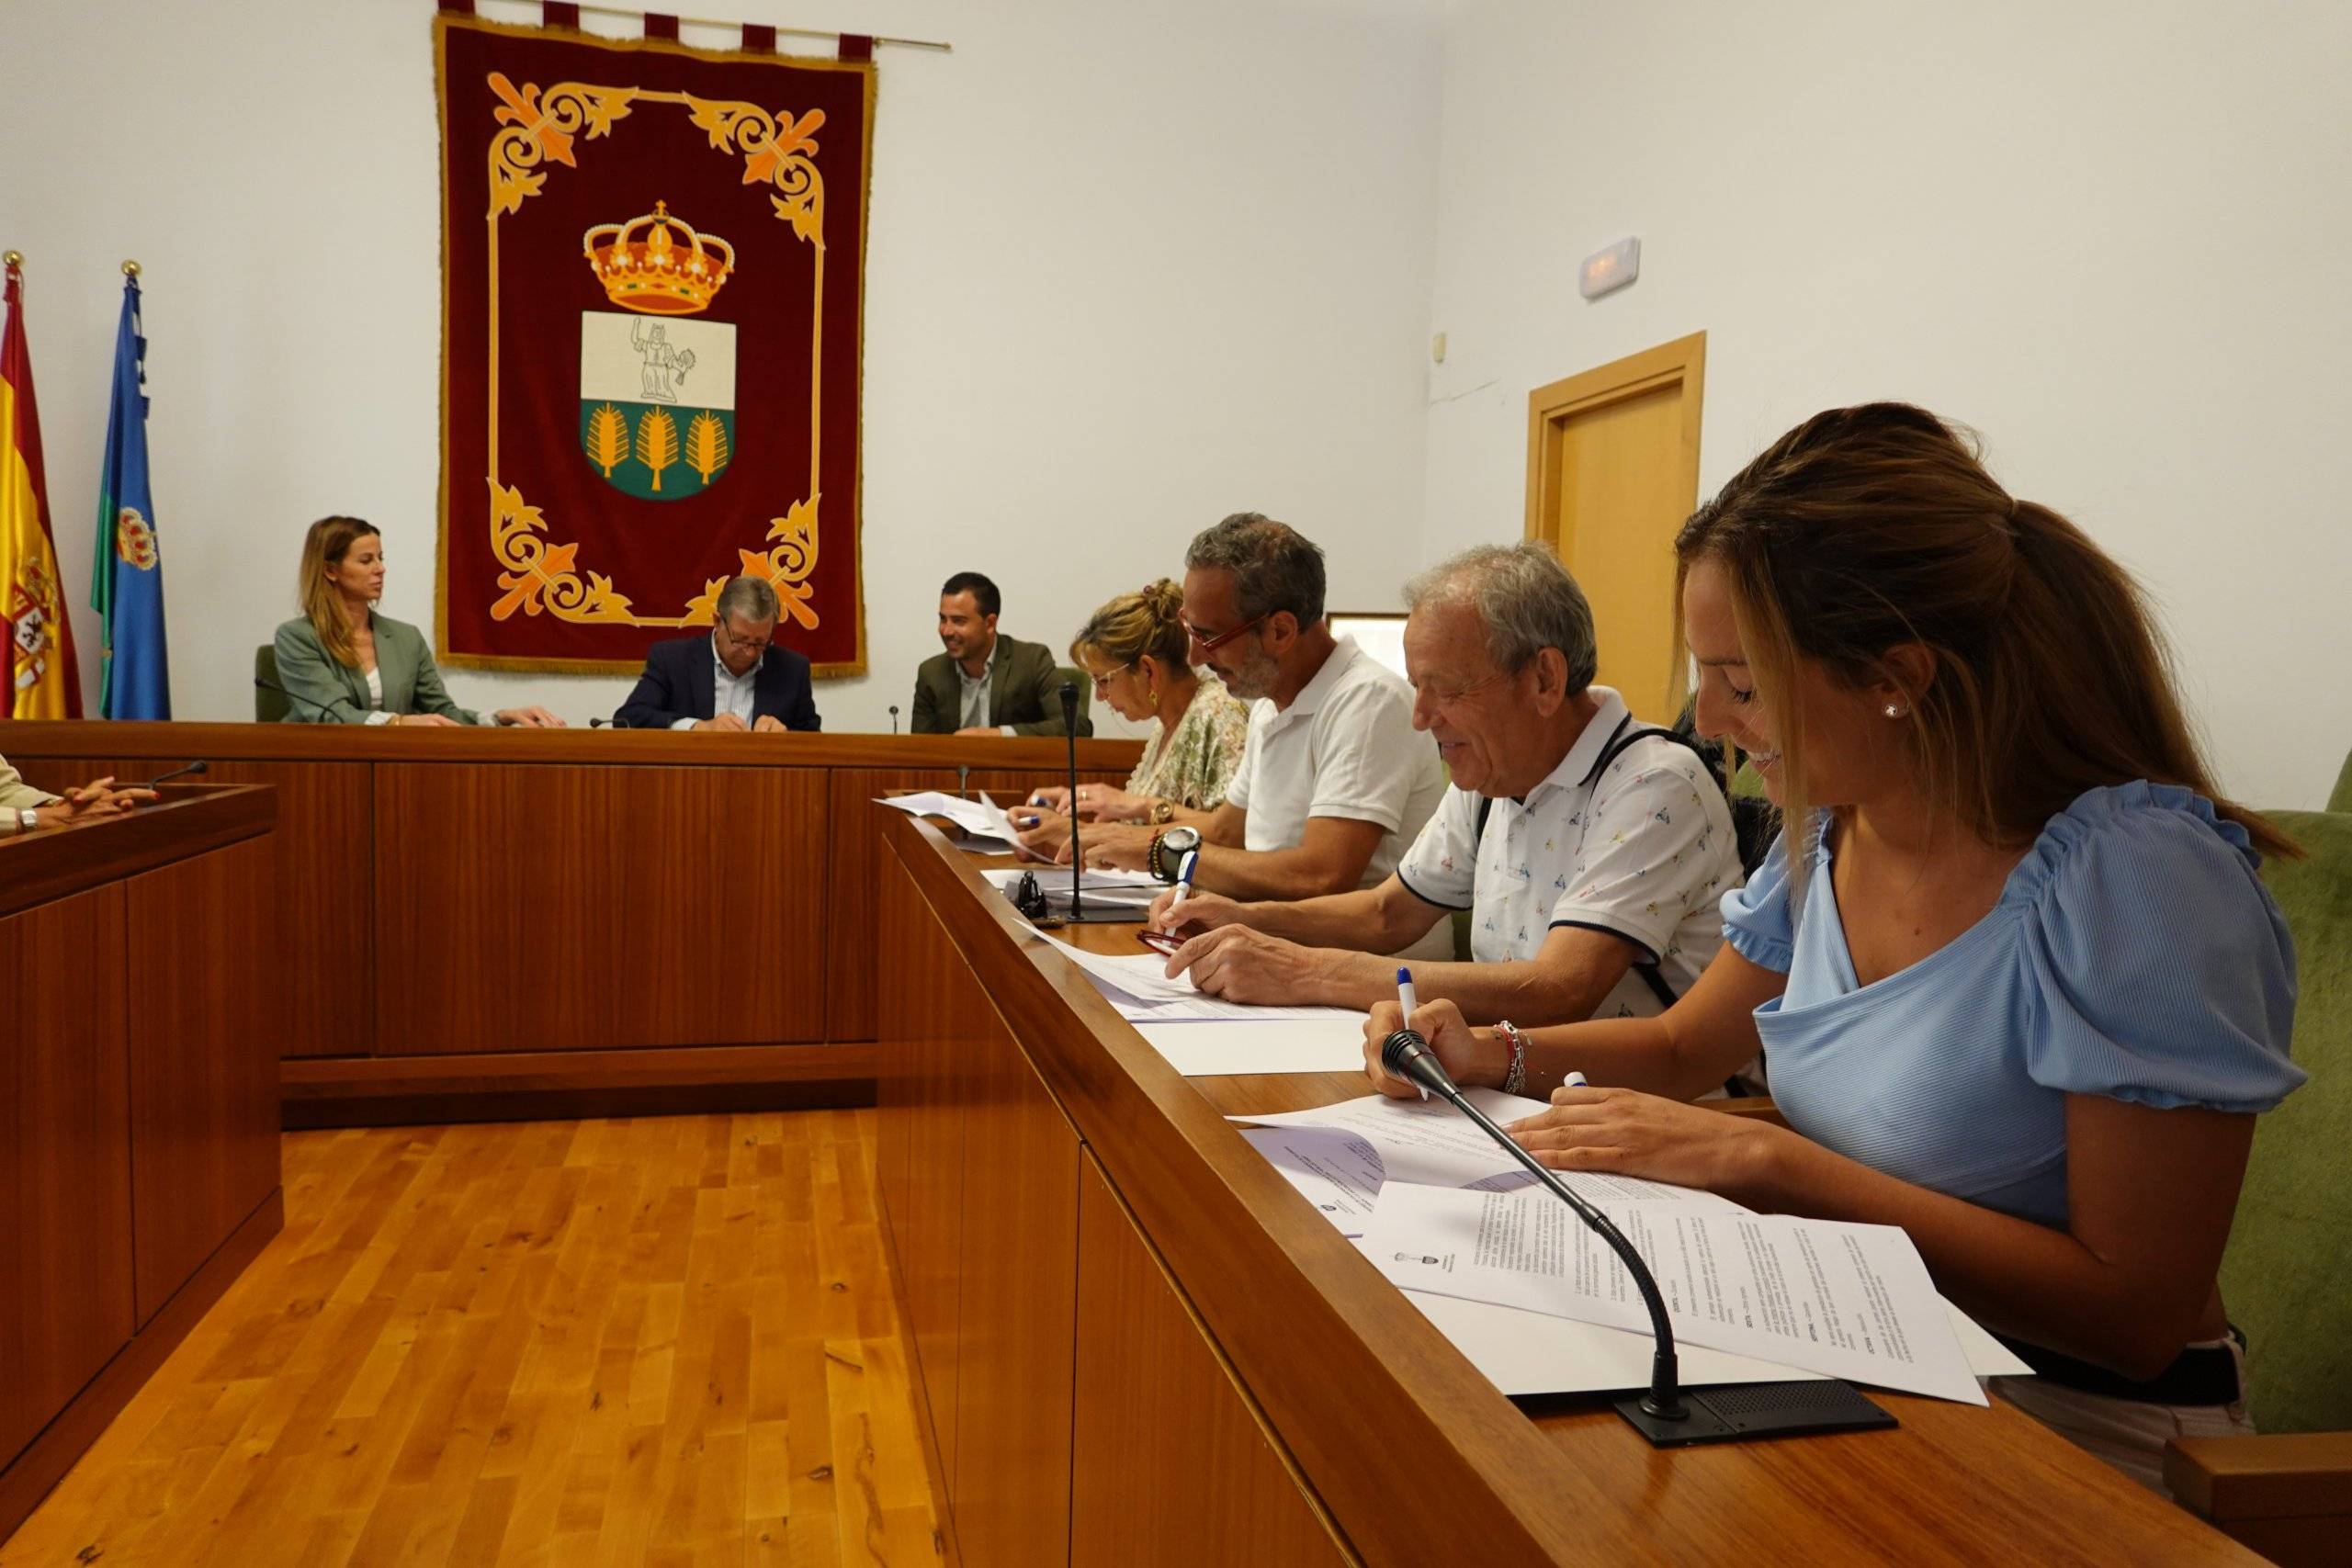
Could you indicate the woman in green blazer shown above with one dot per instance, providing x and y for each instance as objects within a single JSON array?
[{"x": 343, "y": 663}]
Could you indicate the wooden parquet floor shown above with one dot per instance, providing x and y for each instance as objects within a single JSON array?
[{"x": 669, "y": 1340}]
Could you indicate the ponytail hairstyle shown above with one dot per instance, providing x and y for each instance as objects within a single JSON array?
[
  {"x": 1869, "y": 527},
  {"x": 1133, "y": 625},
  {"x": 329, "y": 540}
]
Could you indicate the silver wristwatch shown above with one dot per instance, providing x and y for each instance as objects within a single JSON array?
[{"x": 28, "y": 819}]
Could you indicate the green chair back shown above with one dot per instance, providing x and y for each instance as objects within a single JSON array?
[
  {"x": 1085, "y": 684},
  {"x": 2342, "y": 799},
  {"x": 2286, "y": 1277},
  {"x": 269, "y": 707}
]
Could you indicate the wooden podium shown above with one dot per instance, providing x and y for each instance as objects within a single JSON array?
[
  {"x": 1137, "y": 1345},
  {"x": 498, "y": 923},
  {"x": 139, "y": 1161}
]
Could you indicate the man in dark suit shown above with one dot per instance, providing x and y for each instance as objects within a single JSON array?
[
  {"x": 988, "y": 684},
  {"x": 735, "y": 679}
]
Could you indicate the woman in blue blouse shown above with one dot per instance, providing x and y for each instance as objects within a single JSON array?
[{"x": 2018, "y": 988}]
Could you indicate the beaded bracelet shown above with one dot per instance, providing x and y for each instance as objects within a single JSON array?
[{"x": 1516, "y": 1078}]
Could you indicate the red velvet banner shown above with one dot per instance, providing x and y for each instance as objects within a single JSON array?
[{"x": 652, "y": 281}]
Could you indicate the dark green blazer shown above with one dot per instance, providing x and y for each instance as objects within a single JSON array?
[
  {"x": 1025, "y": 690},
  {"x": 328, "y": 691}
]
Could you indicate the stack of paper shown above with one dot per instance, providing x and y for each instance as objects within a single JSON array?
[
  {"x": 1541, "y": 1304},
  {"x": 982, "y": 818}
]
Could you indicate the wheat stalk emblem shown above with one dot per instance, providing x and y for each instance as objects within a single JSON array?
[
  {"x": 657, "y": 442},
  {"x": 606, "y": 442},
  {"x": 705, "y": 444}
]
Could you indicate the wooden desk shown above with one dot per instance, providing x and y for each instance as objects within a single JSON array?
[
  {"x": 138, "y": 1106},
  {"x": 1137, "y": 1345},
  {"x": 507, "y": 923}
]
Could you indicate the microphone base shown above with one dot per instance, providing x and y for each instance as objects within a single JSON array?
[
  {"x": 1089, "y": 913},
  {"x": 1735, "y": 1413}
]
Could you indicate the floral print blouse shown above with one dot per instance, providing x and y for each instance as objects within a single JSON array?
[{"x": 1193, "y": 764}]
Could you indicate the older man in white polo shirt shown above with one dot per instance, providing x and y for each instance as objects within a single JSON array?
[
  {"x": 1333, "y": 782},
  {"x": 1590, "y": 851}
]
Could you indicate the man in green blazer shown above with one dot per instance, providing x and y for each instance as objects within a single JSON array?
[{"x": 985, "y": 683}]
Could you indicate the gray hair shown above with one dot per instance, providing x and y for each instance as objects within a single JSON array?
[
  {"x": 1275, "y": 568},
  {"x": 1527, "y": 600},
  {"x": 747, "y": 598}
]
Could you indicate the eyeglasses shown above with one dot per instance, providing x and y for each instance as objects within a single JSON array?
[
  {"x": 1455, "y": 698},
  {"x": 744, "y": 644},
  {"x": 1208, "y": 644},
  {"x": 1102, "y": 682}
]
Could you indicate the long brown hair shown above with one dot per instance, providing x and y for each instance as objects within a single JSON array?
[
  {"x": 1869, "y": 527},
  {"x": 329, "y": 540}
]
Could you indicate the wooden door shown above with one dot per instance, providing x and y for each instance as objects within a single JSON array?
[{"x": 1613, "y": 471}]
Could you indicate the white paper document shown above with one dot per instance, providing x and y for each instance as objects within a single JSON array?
[
  {"x": 1339, "y": 1155},
  {"x": 1140, "y": 988},
  {"x": 1533, "y": 1352},
  {"x": 1851, "y": 1300},
  {"x": 982, "y": 818},
  {"x": 1201, "y": 1049}
]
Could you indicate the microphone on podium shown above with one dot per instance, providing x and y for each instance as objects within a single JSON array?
[
  {"x": 197, "y": 768},
  {"x": 1663, "y": 1415},
  {"x": 894, "y": 719}
]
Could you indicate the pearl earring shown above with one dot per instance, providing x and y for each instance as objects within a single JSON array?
[{"x": 1895, "y": 710}]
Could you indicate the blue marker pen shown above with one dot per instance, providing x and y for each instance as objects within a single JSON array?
[
  {"x": 1406, "y": 999},
  {"x": 1574, "y": 1081}
]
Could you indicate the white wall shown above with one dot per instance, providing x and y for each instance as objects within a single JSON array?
[
  {"x": 1131, "y": 267},
  {"x": 2110, "y": 236}
]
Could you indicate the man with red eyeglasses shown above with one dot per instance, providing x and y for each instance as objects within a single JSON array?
[{"x": 1333, "y": 782}]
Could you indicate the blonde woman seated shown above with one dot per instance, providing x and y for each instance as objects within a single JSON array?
[
  {"x": 1135, "y": 650},
  {"x": 343, "y": 663}
]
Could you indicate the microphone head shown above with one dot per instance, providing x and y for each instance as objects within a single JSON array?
[
  {"x": 199, "y": 766},
  {"x": 1409, "y": 1056},
  {"x": 1070, "y": 699},
  {"x": 596, "y": 724}
]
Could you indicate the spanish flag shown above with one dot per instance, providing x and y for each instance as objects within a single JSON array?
[{"x": 41, "y": 681}]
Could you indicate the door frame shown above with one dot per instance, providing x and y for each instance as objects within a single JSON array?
[{"x": 1549, "y": 409}]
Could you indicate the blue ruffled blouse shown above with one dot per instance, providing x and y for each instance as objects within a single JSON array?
[{"x": 2134, "y": 954}]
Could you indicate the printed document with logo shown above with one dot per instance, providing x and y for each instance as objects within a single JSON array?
[{"x": 1849, "y": 1301}]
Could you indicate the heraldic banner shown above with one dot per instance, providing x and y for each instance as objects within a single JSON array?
[{"x": 652, "y": 276}]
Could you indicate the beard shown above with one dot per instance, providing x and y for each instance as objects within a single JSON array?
[{"x": 1253, "y": 674}]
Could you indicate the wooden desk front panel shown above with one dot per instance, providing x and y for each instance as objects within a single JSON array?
[
  {"x": 980, "y": 1173},
  {"x": 1170, "y": 1465},
  {"x": 523, "y": 908},
  {"x": 203, "y": 1060},
  {"x": 921, "y": 1134},
  {"x": 65, "y": 1259},
  {"x": 325, "y": 820}
]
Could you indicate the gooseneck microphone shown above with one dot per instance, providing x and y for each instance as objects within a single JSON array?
[
  {"x": 325, "y": 710},
  {"x": 1409, "y": 1056},
  {"x": 1751, "y": 1410},
  {"x": 197, "y": 767},
  {"x": 1076, "y": 856},
  {"x": 894, "y": 719}
]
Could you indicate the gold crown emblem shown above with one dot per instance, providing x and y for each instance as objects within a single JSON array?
[{"x": 644, "y": 263}]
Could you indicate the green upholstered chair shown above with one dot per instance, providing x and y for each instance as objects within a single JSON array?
[
  {"x": 2288, "y": 1273},
  {"x": 1085, "y": 684},
  {"x": 2342, "y": 799},
  {"x": 269, "y": 707}
]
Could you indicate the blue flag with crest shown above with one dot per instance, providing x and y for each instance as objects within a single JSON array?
[{"x": 127, "y": 581}]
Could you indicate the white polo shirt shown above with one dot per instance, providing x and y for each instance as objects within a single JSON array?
[
  {"x": 1345, "y": 747},
  {"x": 1643, "y": 850}
]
